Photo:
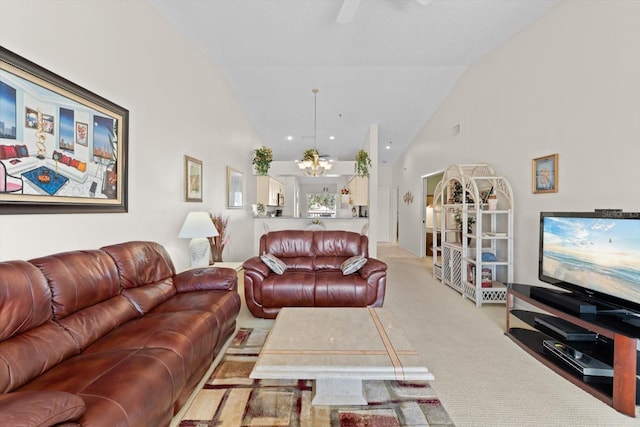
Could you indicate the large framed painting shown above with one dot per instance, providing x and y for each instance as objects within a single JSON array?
[{"x": 63, "y": 149}]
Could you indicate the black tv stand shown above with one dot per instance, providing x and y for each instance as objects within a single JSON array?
[
  {"x": 626, "y": 316},
  {"x": 615, "y": 340}
]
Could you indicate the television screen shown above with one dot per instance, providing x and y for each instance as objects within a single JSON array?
[{"x": 595, "y": 253}]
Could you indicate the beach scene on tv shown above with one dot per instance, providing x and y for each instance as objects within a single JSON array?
[{"x": 602, "y": 254}]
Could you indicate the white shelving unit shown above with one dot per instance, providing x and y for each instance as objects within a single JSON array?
[{"x": 477, "y": 260}]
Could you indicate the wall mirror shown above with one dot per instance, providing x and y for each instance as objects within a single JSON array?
[{"x": 235, "y": 195}]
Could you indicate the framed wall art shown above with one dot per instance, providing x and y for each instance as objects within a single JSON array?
[
  {"x": 545, "y": 174},
  {"x": 51, "y": 159},
  {"x": 235, "y": 194},
  {"x": 192, "y": 179}
]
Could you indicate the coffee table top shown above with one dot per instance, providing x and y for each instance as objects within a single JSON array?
[{"x": 363, "y": 343}]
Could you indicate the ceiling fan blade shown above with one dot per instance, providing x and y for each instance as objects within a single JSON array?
[{"x": 347, "y": 11}]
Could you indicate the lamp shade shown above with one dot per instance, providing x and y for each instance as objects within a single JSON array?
[{"x": 198, "y": 224}]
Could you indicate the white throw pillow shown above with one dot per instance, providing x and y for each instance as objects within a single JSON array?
[
  {"x": 353, "y": 264},
  {"x": 274, "y": 263}
]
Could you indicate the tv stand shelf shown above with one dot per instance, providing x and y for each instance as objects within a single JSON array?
[{"x": 615, "y": 344}]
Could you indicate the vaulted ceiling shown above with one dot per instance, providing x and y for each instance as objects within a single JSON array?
[{"x": 389, "y": 62}]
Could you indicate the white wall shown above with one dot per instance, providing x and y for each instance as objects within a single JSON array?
[
  {"x": 179, "y": 104},
  {"x": 568, "y": 84}
]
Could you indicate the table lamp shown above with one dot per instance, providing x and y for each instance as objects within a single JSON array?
[{"x": 197, "y": 227}]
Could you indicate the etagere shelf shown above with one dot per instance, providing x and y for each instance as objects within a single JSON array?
[{"x": 476, "y": 259}]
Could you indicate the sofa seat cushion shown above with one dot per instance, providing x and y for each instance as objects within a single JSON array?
[
  {"x": 39, "y": 408},
  {"x": 191, "y": 335},
  {"x": 294, "y": 288},
  {"x": 16, "y": 166},
  {"x": 334, "y": 289},
  {"x": 120, "y": 388},
  {"x": 224, "y": 306}
]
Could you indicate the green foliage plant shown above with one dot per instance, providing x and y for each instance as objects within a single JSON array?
[
  {"x": 262, "y": 158},
  {"x": 363, "y": 163}
]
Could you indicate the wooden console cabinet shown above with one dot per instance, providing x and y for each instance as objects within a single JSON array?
[{"x": 617, "y": 347}]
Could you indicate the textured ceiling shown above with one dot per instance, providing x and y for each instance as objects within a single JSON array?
[{"x": 392, "y": 64}]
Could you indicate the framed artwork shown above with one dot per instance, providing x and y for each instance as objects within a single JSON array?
[
  {"x": 545, "y": 174},
  {"x": 82, "y": 130},
  {"x": 192, "y": 179},
  {"x": 235, "y": 184},
  {"x": 44, "y": 116}
]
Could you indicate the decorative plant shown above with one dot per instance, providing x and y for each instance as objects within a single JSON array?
[
  {"x": 260, "y": 209},
  {"x": 262, "y": 158},
  {"x": 363, "y": 163},
  {"x": 457, "y": 217},
  {"x": 344, "y": 191},
  {"x": 218, "y": 243},
  {"x": 308, "y": 155}
]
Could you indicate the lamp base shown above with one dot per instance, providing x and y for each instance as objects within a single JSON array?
[{"x": 199, "y": 252}]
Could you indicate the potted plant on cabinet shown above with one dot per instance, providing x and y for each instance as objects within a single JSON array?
[
  {"x": 262, "y": 158},
  {"x": 363, "y": 163}
]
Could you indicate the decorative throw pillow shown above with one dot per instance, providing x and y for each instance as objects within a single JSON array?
[
  {"x": 22, "y": 150},
  {"x": 274, "y": 263},
  {"x": 353, "y": 264},
  {"x": 10, "y": 151},
  {"x": 82, "y": 166}
]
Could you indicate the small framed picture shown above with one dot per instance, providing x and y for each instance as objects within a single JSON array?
[
  {"x": 545, "y": 174},
  {"x": 192, "y": 179},
  {"x": 82, "y": 130}
]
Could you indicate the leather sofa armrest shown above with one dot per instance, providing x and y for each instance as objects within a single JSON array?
[
  {"x": 371, "y": 267},
  {"x": 206, "y": 279},
  {"x": 256, "y": 265},
  {"x": 40, "y": 408}
]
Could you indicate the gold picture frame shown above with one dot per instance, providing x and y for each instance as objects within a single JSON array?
[
  {"x": 49, "y": 174},
  {"x": 192, "y": 179},
  {"x": 545, "y": 174},
  {"x": 235, "y": 193}
]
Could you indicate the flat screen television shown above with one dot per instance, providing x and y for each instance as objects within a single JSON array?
[{"x": 595, "y": 254}]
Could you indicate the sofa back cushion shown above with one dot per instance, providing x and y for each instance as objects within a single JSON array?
[
  {"x": 146, "y": 273},
  {"x": 293, "y": 247},
  {"x": 305, "y": 250},
  {"x": 85, "y": 294},
  {"x": 332, "y": 248},
  {"x": 30, "y": 342}
]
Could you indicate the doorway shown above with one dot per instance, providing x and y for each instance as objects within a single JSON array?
[{"x": 429, "y": 183}]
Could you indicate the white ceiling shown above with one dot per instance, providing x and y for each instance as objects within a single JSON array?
[{"x": 392, "y": 64}]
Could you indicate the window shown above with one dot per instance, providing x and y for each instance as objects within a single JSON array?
[{"x": 321, "y": 205}]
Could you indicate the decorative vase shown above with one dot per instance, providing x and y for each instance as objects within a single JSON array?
[
  {"x": 493, "y": 203},
  {"x": 216, "y": 255}
]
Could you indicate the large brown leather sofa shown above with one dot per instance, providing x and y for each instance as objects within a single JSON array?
[
  {"x": 109, "y": 337},
  {"x": 313, "y": 277}
]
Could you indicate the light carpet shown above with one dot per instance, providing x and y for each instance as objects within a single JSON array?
[{"x": 230, "y": 398}]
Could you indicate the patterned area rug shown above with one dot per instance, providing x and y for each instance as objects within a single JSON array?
[{"x": 230, "y": 398}]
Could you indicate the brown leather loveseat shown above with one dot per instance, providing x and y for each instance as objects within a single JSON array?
[
  {"x": 313, "y": 277},
  {"x": 109, "y": 337}
]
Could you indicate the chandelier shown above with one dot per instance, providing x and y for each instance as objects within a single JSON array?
[{"x": 314, "y": 166}]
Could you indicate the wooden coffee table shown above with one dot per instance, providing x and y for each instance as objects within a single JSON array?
[{"x": 338, "y": 348}]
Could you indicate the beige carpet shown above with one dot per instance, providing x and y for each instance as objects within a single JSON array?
[
  {"x": 482, "y": 378},
  {"x": 230, "y": 398}
]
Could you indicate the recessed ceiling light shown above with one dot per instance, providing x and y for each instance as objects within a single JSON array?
[
  {"x": 332, "y": 137},
  {"x": 289, "y": 138},
  {"x": 388, "y": 147}
]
